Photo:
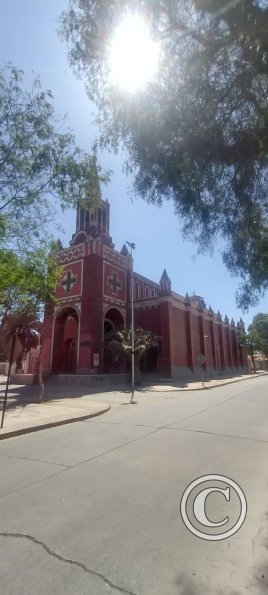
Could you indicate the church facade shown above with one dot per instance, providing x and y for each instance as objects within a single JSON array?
[{"x": 94, "y": 297}]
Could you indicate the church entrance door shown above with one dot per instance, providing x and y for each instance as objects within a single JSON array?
[
  {"x": 113, "y": 321},
  {"x": 64, "y": 358}
]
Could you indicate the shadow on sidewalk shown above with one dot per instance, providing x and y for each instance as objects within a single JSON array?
[{"x": 23, "y": 395}]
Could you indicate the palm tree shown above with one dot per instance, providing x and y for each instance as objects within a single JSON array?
[
  {"x": 28, "y": 330},
  {"x": 120, "y": 342}
]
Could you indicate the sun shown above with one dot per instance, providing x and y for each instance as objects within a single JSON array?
[{"x": 133, "y": 55}]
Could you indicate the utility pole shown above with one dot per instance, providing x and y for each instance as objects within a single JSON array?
[{"x": 132, "y": 247}]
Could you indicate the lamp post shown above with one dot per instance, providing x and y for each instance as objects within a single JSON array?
[{"x": 132, "y": 247}]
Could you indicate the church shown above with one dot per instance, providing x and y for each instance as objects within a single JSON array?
[{"x": 93, "y": 298}]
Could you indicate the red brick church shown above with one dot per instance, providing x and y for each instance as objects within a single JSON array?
[{"x": 93, "y": 297}]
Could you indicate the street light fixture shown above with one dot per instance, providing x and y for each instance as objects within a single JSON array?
[{"x": 132, "y": 247}]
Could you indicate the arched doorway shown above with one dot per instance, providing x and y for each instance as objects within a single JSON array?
[
  {"x": 113, "y": 321},
  {"x": 64, "y": 356}
]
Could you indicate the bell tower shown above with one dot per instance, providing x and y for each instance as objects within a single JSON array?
[
  {"x": 92, "y": 221},
  {"x": 93, "y": 217}
]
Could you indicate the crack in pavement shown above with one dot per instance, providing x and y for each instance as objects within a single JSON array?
[
  {"x": 206, "y": 409},
  {"x": 106, "y": 452},
  {"x": 33, "y": 459},
  {"x": 167, "y": 426},
  {"x": 33, "y": 483},
  {"x": 70, "y": 467},
  {"x": 219, "y": 435},
  {"x": 83, "y": 567},
  {"x": 155, "y": 430},
  {"x": 116, "y": 423}
]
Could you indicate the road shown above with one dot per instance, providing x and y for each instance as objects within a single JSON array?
[{"x": 94, "y": 507}]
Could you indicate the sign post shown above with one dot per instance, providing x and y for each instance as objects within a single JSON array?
[
  {"x": 201, "y": 359},
  {"x": 132, "y": 247}
]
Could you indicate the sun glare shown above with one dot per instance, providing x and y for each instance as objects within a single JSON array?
[{"x": 133, "y": 56}]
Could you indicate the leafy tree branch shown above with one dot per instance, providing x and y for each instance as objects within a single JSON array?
[{"x": 197, "y": 134}]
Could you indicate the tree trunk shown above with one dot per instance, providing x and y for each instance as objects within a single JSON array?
[
  {"x": 253, "y": 363},
  {"x": 137, "y": 374},
  {"x": 39, "y": 373}
]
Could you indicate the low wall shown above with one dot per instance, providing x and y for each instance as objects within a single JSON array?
[
  {"x": 21, "y": 379},
  {"x": 183, "y": 373},
  {"x": 89, "y": 380}
]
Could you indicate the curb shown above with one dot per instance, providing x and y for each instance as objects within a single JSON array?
[
  {"x": 229, "y": 382},
  {"x": 178, "y": 389},
  {"x": 52, "y": 424}
]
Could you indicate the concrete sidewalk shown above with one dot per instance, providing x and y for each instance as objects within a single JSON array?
[
  {"x": 25, "y": 414},
  {"x": 197, "y": 385},
  {"x": 31, "y": 417}
]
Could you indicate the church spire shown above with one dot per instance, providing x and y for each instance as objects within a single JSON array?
[
  {"x": 165, "y": 283},
  {"x": 93, "y": 214}
]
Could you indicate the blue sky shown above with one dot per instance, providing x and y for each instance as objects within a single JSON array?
[{"x": 29, "y": 39}]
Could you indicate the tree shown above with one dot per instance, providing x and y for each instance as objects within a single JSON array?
[
  {"x": 259, "y": 329},
  {"x": 250, "y": 342},
  {"x": 28, "y": 331},
  {"x": 256, "y": 339},
  {"x": 41, "y": 167},
  {"x": 120, "y": 342},
  {"x": 41, "y": 170},
  {"x": 27, "y": 282},
  {"x": 198, "y": 133}
]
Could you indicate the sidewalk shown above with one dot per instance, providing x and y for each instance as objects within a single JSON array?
[
  {"x": 31, "y": 417},
  {"x": 68, "y": 404},
  {"x": 176, "y": 385}
]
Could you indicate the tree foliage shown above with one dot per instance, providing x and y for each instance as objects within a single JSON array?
[
  {"x": 256, "y": 339},
  {"x": 120, "y": 342},
  {"x": 41, "y": 170},
  {"x": 258, "y": 329},
  {"x": 41, "y": 167},
  {"x": 249, "y": 342},
  {"x": 197, "y": 134},
  {"x": 24, "y": 325},
  {"x": 27, "y": 282}
]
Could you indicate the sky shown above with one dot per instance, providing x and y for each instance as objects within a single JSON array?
[{"x": 29, "y": 39}]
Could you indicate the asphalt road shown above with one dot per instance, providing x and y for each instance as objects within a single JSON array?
[{"x": 94, "y": 507}]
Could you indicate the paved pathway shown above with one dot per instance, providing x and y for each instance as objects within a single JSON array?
[
  {"x": 68, "y": 404},
  {"x": 93, "y": 507}
]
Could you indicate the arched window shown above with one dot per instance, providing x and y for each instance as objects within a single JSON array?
[
  {"x": 146, "y": 292},
  {"x": 142, "y": 291},
  {"x": 136, "y": 290},
  {"x": 152, "y": 293}
]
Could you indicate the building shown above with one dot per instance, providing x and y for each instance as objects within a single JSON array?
[{"x": 93, "y": 297}]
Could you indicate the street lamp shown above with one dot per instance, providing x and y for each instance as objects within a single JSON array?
[{"x": 132, "y": 247}]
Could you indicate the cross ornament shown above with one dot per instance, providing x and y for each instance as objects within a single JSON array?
[
  {"x": 115, "y": 283},
  {"x": 68, "y": 281}
]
